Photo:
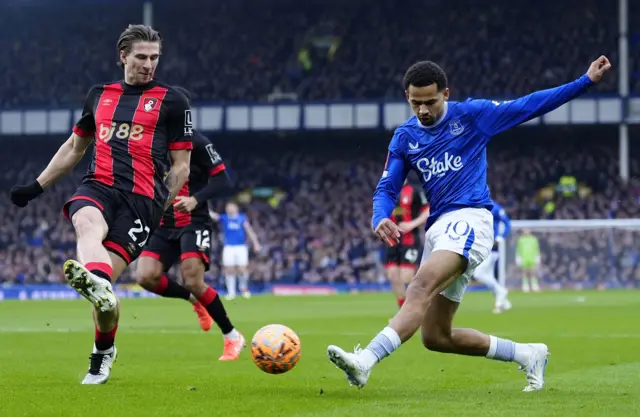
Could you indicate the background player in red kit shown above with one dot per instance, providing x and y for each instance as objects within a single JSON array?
[
  {"x": 185, "y": 233},
  {"x": 401, "y": 260},
  {"x": 142, "y": 134}
]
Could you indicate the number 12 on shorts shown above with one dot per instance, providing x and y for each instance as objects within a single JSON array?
[{"x": 202, "y": 238}]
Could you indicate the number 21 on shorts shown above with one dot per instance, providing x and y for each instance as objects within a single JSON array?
[{"x": 137, "y": 230}]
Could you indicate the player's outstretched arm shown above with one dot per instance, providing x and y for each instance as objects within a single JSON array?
[
  {"x": 178, "y": 174},
  {"x": 214, "y": 216},
  {"x": 493, "y": 117},
  {"x": 505, "y": 226},
  {"x": 252, "y": 236},
  {"x": 386, "y": 194},
  {"x": 417, "y": 222},
  {"x": 68, "y": 156}
]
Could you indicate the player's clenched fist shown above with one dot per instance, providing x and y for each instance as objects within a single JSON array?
[
  {"x": 598, "y": 68},
  {"x": 22, "y": 194},
  {"x": 388, "y": 232}
]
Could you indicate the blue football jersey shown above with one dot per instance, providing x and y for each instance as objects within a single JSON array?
[
  {"x": 501, "y": 222},
  {"x": 233, "y": 229},
  {"x": 450, "y": 156}
]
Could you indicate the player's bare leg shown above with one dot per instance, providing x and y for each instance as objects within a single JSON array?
[
  {"x": 535, "y": 283},
  {"x": 91, "y": 278},
  {"x": 439, "y": 271},
  {"x": 484, "y": 274},
  {"x": 397, "y": 285},
  {"x": 192, "y": 271},
  {"x": 243, "y": 281},
  {"x": 230, "y": 274},
  {"x": 407, "y": 272},
  {"x": 150, "y": 276}
]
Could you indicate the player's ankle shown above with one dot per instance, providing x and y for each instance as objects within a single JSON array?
[{"x": 233, "y": 334}]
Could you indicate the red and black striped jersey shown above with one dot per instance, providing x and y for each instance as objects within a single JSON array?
[
  {"x": 134, "y": 128},
  {"x": 412, "y": 202},
  {"x": 205, "y": 163}
]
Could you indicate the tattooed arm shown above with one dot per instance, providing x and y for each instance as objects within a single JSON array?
[{"x": 178, "y": 174}]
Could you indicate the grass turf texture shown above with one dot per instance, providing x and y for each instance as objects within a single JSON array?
[{"x": 168, "y": 367}]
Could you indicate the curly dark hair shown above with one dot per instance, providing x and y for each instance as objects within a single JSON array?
[{"x": 424, "y": 73}]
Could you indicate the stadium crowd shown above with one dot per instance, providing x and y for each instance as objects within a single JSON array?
[
  {"x": 318, "y": 229},
  {"x": 315, "y": 50}
]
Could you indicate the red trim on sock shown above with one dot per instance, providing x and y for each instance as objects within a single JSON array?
[
  {"x": 106, "y": 337},
  {"x": 400, "y": 302},
  {"x": 207, "y": 298},
  {"x": 163, "y": 283},
  {"x": 100, "y": 266}
]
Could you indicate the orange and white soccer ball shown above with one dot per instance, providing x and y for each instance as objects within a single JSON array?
[{"x": 275, "y": 349}]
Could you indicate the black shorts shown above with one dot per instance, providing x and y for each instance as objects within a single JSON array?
[
  {"x": 131, "y": 218},
  {"x": 402, "y": 256},
  {"x": 169, "y": 245}
]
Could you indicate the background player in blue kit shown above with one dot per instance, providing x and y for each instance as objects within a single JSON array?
[
  {"x": 485, "y": 272},
  {"x": 235, "y": 254},
  {"x": 445, "y": 142}
]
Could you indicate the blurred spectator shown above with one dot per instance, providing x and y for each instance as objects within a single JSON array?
[
  {"x": 310, "y": 203},
  {"x": 52, "y": 52}
]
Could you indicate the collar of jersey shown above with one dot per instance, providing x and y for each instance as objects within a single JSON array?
[{"x": 436, "y": 124}]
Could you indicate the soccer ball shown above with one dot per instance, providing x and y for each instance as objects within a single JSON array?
[{"x": 275, "y": 349}]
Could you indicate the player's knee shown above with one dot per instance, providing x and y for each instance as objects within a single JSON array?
[
  {"x": 192, "y": 271},
  {"x": 148, "y": 273},
  {"x": 436, "y": 341}
]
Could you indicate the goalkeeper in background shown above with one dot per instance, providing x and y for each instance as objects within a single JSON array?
[{"x": 528, "y": 259}]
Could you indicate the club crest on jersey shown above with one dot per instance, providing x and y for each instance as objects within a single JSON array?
[
  {"x": 150, "y": 103},
  {"x": 455, "y": 127}
]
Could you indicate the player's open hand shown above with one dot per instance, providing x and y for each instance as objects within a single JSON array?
[
  {"x": 598, "y": 68},
  {"x": 388, "y": 232},
  {"x": 185, "y": 204}
]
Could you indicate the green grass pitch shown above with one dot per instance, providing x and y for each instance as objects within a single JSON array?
[{"x": 168, "y": 367}]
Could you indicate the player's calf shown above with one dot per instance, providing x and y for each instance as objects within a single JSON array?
[
  {"x": 192, "y": 271},
  {"x": 150, "y": 276}
]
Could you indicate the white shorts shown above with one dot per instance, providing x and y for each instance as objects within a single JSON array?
[
  {"x": 235, "y": 255},
  {"x": 468, "y": 232}
]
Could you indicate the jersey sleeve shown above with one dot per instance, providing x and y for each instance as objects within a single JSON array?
[
  {"x": 86, "y": 125},
  {"x": 395, "y": 172},
  {"x": 179, "y": 123},
  {"x": 205, "y": 155},
  {"x": 493, "y": 117}
]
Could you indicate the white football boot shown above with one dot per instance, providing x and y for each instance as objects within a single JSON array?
[
  {"x": 95, "y": 289},
  {"x": 536, "y": 367},
  {"x": 100, "y": 367},
  {"x": 351, "y": 364}
]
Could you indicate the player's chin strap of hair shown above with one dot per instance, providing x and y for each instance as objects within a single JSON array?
[{"x": 218, "y": 184}]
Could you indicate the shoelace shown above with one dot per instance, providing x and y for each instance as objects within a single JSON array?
[
  {"x": 357, "y": 349},
  {"x": 96, "y": 363}
]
